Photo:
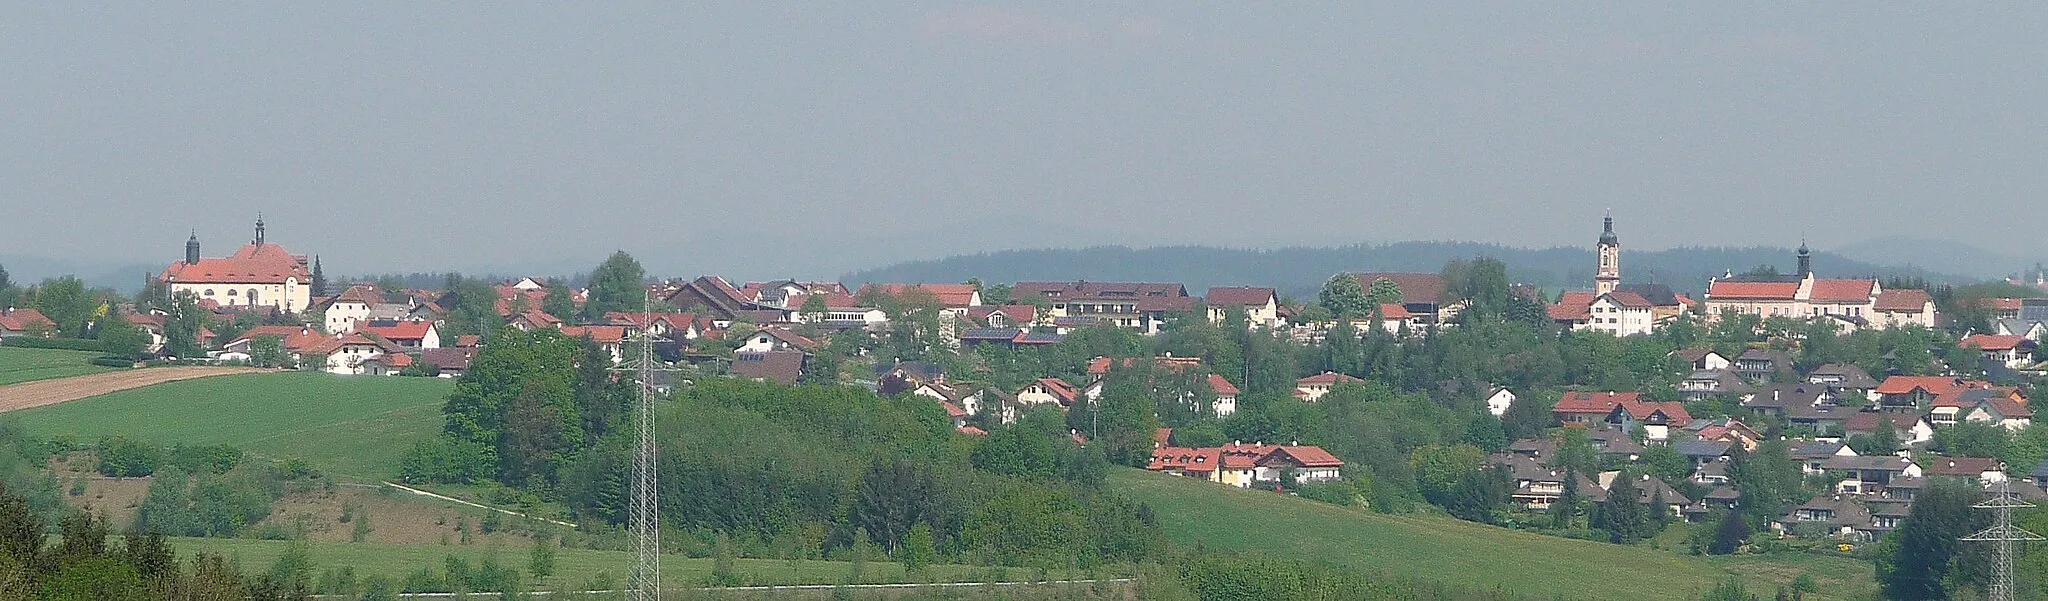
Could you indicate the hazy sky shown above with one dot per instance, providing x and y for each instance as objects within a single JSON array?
[{"x": 809, "y": 138}]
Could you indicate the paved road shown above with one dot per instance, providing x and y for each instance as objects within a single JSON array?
[{"x": 26, "y": 395}]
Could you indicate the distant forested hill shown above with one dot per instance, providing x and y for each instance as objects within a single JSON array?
[{"x": 1301, "y": 271}]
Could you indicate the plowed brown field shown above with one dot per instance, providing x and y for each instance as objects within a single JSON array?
[{"x": 28, "y": 395}]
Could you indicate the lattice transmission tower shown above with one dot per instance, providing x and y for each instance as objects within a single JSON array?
[
  {"x": 2002, "y": 534},
  {"x": 644, "y": 515}
]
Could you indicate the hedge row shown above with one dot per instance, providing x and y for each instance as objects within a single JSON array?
[{"x": 68, "y": 344}]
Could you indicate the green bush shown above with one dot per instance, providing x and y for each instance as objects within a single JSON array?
[
  {"x": 64, "y": 344},
  {"x": 124, "y": 458},
  {"x": 217, "y": 459},
  {"x": 113, "y": 361}
]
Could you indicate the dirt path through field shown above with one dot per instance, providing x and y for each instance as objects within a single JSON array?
[{"x": 26, "y": 395}]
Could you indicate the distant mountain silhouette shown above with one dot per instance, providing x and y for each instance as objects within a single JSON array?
[
  {"x": 1938, "y": 255},
  {"x": 1301, "y": 271}
]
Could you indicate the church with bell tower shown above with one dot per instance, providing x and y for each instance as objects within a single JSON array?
[
  {"x": 1608, "y": 277},
  {"x": 259, "y": 274}
]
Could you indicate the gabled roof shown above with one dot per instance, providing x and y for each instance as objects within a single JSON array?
[
  {"x": 952, "y": 296},
  {"x": 1851, "y": 376},
  {"x": 19, "y": 320},
  {"x": 1817, "y": 450},
  {"x": 251, "y": 264},
  {"x": 1416, "y": 288},
  {"x": 1907, "y": 384},
  {"x": 1892, "y": 463},
  {"x": 1393, "y": 312},
  {"x": 448, "y": 358},
  {"x": 1307, "y": 456},
  {"x": 1593, "y": 402},
  {"x": 1185, "y": 459},
  {"x": 1240, "y": 296},
  {"x": 1867, "y": 421},
  {"x": 598, "y": 334},
  {"x": 1766, "y": 291},
  {"x": 783, "y": 367},
  {"x": 1960, "y": 466},
  {"x": 1059, "y": 389},
  {"x": 1328, "y": 378},
  {"x": 1842, "y": 291},
  {"x": 1630, "y": 300},
  {"x": 1993, "y": 342},
  {"x": 396, "y": 330},
  {"x": 1702, "y": 448},
  {"x": 1670, "y": 413},
  {"x": 1903, "y": 300},
  {"x": 1222, "y": 386}
]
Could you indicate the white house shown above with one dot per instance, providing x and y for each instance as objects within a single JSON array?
[
  {"x": 1497, "y": 401},
  {"x": 1622, "y": 313}
]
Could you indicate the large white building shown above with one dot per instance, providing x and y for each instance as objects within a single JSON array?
[{"x": 258, "y": 275}]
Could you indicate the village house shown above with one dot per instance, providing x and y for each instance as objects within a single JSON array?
[
  {"x": 1827, "y": 515},
  {"x": 1910, "y": 429},
  {"x": 1813, "y": 456},
  {"x": 25, "y": 322},
  {"x": 1912, "y": 394},
  {"x": 1052, "y": 391},
  {"x": 1244, "y": 465},
  {"x": 1704, "y": 384},
  {"x": 1657, "y": 420},
  {"x": 1590, "y": 408},
  {"x": 1422, "y": 295},
  {"x": 412, "y": 336},
  {"x": 2011, "y": 351},
  {"x": 258, "y": 274},
  {"x": 1498, "y": 400},
  {"x": 1869, "y": 474},
  {"x": 1261, "y": 306},
  {"x": 1313, "y": 388},
  {"x": 1141, "y": 306},
  {"x": 1844, "y": 382},
  {"x": 342, "y": 354},
  {"x": 1977, "y": 470},
  {"x": 1703, "y": 359},
  {"x": 1759, "y": 365}
]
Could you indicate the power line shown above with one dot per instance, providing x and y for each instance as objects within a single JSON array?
[
  {"x": 2002, "y": 534},
  {"x": 644, "y": 584}
]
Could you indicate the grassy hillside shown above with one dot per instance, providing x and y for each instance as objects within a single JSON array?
[
  {"x": 1441, "y": 548},
  {"x": 31, "y": 364},
  {"x": 354, "y": 426},
  {"x": 575, "y": 567}
]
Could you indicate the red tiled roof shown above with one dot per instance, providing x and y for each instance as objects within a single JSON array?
[
  {"x": 952, "y": 410},
  {"x": 252, "y": 264},
  {"x": 1569, "y": 312},
  {"x": 1185, "y": 459},
  {"x": 1842, "y": 291},
  {"x": 1240, "y": 296},
  {"x": 1992, "y": 342},
  {"x": 2009, "y": 408},
  {"x": 1311, "y": 456},
  {"x": 1392, "y": 312},
  {"x": 1999, "y": 304},
  {"x": 1594, "y": 402},
  {"x": 973, "y": 431},
  {"x": 1753, "y": 291},
  {"x": 1328, "y": 378},
  {"x": 1906, "y": 384},
  {"x": 468, "y": 340},
  {"x": 1161, "y": 436},
  {"x": 1222, "y": 386},
  {"x": 1905, "y": 300},
  {"x": 23, "y": 319},
  {"x": 598, "y": 334},
  {"x": 402, "y": 330},
  {"x": 359, "y": 294}
]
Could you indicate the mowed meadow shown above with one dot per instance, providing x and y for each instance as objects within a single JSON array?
[
  {"x": 19, "y": 365},
  {"x": 352, "y": 427},
  {"x": 1466, "y": 554}
]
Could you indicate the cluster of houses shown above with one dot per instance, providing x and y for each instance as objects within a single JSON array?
[
  {"x": 1825, "y": 408},
  {"x": 1245, "y": 465}
]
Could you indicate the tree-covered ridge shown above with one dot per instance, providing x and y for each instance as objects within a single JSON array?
[{"x": 1300, "y": 272}]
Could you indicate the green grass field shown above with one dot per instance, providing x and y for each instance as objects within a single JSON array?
[
  {"x": 1441, "y": 548},
  {"x": 352, "y": 426},
  {"x": 31, "y": 364},
  {"x": 575, "y": 567}
]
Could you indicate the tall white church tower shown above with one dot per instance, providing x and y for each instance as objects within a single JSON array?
[{"x": 1608, "y": 277}]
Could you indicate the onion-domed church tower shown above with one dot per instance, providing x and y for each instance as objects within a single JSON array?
[{"x": 1608, "y": 276}]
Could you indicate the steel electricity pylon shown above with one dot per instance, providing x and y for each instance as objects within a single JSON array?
[
  {"x": 644, "y": 515},
  {"x": 2002, "y": 534}
]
